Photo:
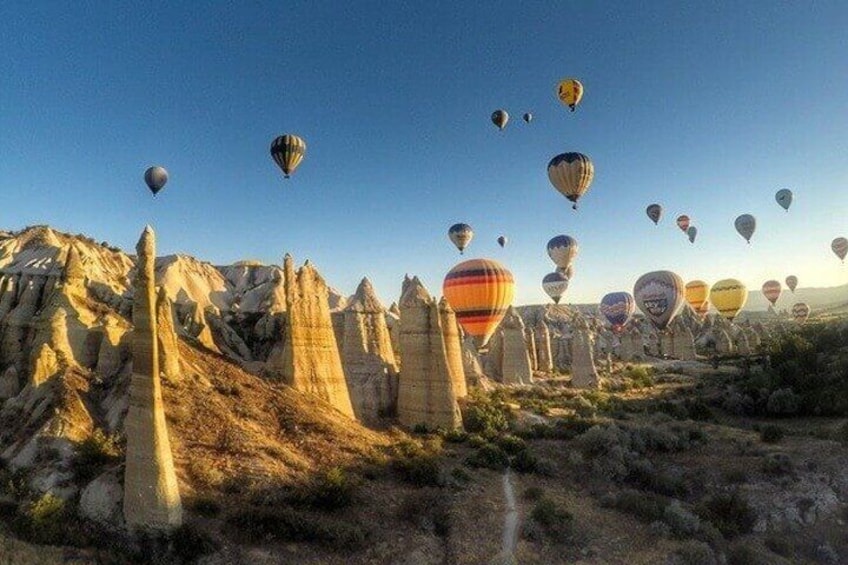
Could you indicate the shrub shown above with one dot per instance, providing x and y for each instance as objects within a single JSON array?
[
  {"x": 742, "y": 553},
  {"x": 682, "y": 522},
  {"x": 419, "y": 470},
  {"x": 512, "y": 445},
  {"x": 285, "y": 523},
  {"x": 557, "y": 523},
  {"x": 645, "y": 506},
  {"x": 455, "y": 436},
  {"x": 429, "y": 510},
  {"x": 777, "y": 464},
  {"x": 640, "y": 376},
  {"x": 729, "y": 512},
  {"x": 93, "y": 453},
  {"x": 330, "y": 491},
  {"x": 43, "y": 520},
  {"x": 420, "y": 429},
  {"x": 783, "y": 402},
  {"x": 780, "y": 545},
  {"x": 525, "y": 462},
  {"x": 476, "y": 440},
  {"x": 771, "y": 433},
  {"x": 693, "y": 553},
  {"x": 485, "y": 418},
  {"x": 489, "y": 456},
  {"x": 532, "y": 493}
]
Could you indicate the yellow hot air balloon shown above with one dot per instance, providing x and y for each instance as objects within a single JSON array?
[
  {"x": 288, "y": 151},
  {"x": 697, "y": 292},
  {"x": 479, "y": 291},
  {"x": 570, "y": 92},
  {"x": 728, "y": 296}
]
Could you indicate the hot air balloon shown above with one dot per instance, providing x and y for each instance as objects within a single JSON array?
[
  {"x": 461, "y": 235},
  {"x": 654, "y": 212},
  {"x": 502, "y": 240},
  {"x": 697, "y": 292},
  {"x": 683, "y": 222},
  {"x": 800, "y": 312},
  {"x": 617, "y": 307},
  {"x": 771, "y": 290},
  {"x": 480, "y": 291},
  {"x": 745, "y": 225},
  {"x": 568, "y": 272},
  {"x": 840, "y": 247},
  {"x": 528, "y": 117},
  {"x": 659, "y": 295},
  {"x": 571, "y": 174},
  {"x": 500, "y": 118},
  {"x": 792, "y": 282},
  {"x": 555, "y": 284},
  {"x": 288, "y": 151},
  {"x": 563, "y": 249},
  {"x": 728, "y": 296},
  {"x": 704, "y": 309},
  {"x": 784, "y": 198},
  {"x": 155, "y": 178},
  {"x": 570, "y": 92},
  {"x": 692, "y": 232}
]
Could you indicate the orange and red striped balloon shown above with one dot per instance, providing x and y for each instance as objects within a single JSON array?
[{"x": 479, "y": 291}]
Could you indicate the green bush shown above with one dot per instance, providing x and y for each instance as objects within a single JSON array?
[
  {"x": 43, "y": 520},
  {"x": 730, "y": 512},
  {"x": 490, "y": 457},
  {"x": 330, "y": 491},
  {"x": 284, "y": 523},
  {"x": 455, "y": 436},
  {"x": 640, "y": 376},
  {"x": 645, "y": 506},
  {"x": 485, "y": 417},
  {"x": 771, "y": 433},
  {"x": 95, "y": 452},
  {"x": 429, "y": 510},
  {"x": 533, "y": 493},
  {"x": 783, "y": 402},
  {"x": 525, "y": 462},
  {"x": 693, "y": 552},
  {"x": 420, "y": 470},
  {"x": 557, "y": 523},
  {"x": 777, "y": 464},
  {"x": 512, "y": 445}
]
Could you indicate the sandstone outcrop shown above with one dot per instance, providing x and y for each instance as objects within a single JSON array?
[
  {"x": 471, "y": 363},
  {"x": 530, "y": 339},
  {"x": 166, "y": 334},
  {"x": 367, "y": 356},
  {"x": 683, "y": 342},
  {"x": 425, "y": 388},
  {"x": 723, "y": 343},
  {"x": 310, "y": 359},
  {"x": 667, "y": 343},
  {"x": 151, "y": 493},
  {"x": 583, "y": 372},
  {"x": 514, "y": 361},
  {"x": 453, "y": 348},
  {"x": 542, "y": 341}
]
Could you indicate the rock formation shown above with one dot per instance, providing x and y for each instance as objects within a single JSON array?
[
  {"x": 169, "y": 352},
  {"x": 393, "y": 323},
  {"x": 514, "y": 361},
  {"x": 425, "y": 389},
  {"x": 631, "y": 345},
  {"x": 531, "y": 348},
  {"x": 683, "y": 342},
  {"x": 583, "y": 372},
  {"x": 151, "y": 493},
  {"x": 471, "y": 364},
  {"x": 367, "y": 356},
  {"x": 742, "y": 345},
  {"x": 453, "y": 348},
  {"x": 542, "y": 340},
  {"x": 310, "y": 360},
  {"x": 723, "y": 343},
  {"x": 667, "y": 343}
]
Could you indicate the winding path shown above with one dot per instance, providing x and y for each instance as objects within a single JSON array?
[{"x": 510, "y": 531}]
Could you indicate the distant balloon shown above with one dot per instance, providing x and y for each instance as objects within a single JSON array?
[
  {"x": 571, "y": 174},
  {"x": 692, "y": 232},
  {"x": 617, "y": 307},
  {"x": 288, "y": 151},
  {"x": 461, "y": 235},
  {"x": 683, "y": 222},
  {"x": 562, "y": 250},
  {"x": 528, "y": 117},
  {"x": 654, "y": 212},
  {"x": 480, "y": 291},
  {"x": 659, "y": 295},
  {"x": 771, "y": 290},
  {"x": 745, "y": 225},
  {"x": 697, "y": 292},
  {"x": 800, "y": 312},
  {"x": 500, "y": 118},
  {"x": 570, "y": 92},
  {"x": 840, "y": 247},
  {"x": 792, "y": 282},
  {"x": 155, "y": 178},
  {"x": 784, "y": 198},
  {"x": 555, "y": 284},
  {"x": 728, "y": 296},
  {"x": 502, "y": 241}
]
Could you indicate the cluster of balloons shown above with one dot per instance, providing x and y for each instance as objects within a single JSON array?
[
  {"x": 462, "y": 234},
  {"x": 501, "y": 117}
]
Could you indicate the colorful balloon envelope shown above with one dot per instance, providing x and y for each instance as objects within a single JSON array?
[
  {"x": 571, "y": 174},
  {"x": 683, "y": 222},
  {"x": 784, "y": 198},
  {"x": 840, "y": 247},
  {"x": 500, "y": 118},
  {"x": 555, "y": 284},
  {"x": 155, "y": 178},
  {"x": 570, "y": 92},
  {"x": 771, "y": 290},
  {"x": 692, "y": 232},
  {"x": 480, "y": 291},
  {"x": 562, "y": 250},
  {"x": 654, "y": 212},
  {"x": 288, "y": 152},
  {"x": 792, "y": 282},
  {"x": 728, "y": 296},
  {"x": 568, "y": 272},
  {"x": 746, "y": 224},
  {"x": 800, "y": 312},
  {"x": 659, "y": 295},
  {"x": 617, "y": 308},
  {"x": 528, "y": 117},
  {"x": 502, "y": 241},
  {"x": 697, "y": 292},
  {"x": 461, "y": 235}
]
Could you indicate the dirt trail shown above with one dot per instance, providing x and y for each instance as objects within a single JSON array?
[{"x": 510, "y": 532}]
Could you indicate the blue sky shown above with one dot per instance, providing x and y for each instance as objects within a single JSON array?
[{"x": 707, "y": 109}]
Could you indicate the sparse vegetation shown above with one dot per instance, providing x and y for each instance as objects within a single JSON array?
[
  {"x": 771, "y": 433},
  {"x": 729, "y": 512},
  {"x": 284, "y": 523},
  {"x": 94, "y": 453},
  {"x": 550, "y": 519}
]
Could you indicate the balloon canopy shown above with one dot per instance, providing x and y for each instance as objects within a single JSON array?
[
  {"x": 571, "y": 174},
  {"x": 555, "y": 284},
  {"x": 480, "y": 291},
  {"x": 728, "y": 296},
  {"x": 288, "y": 151},
  {"x": 570, "y": 92},
  {"x": 461, "y": 235},
  {"x": 617, "y": 308},
  {"x": 659, "y": 295},
  {"x": 155, "y": 177}
]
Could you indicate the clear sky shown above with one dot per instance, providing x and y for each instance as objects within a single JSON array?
[{"x": 707, "y": 109}]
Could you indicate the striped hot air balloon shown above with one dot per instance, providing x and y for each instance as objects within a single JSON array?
[
  {"x": 728, "y": 296},
  {"x": 697, "y": 292},
  {"x": 479, "y": 291},
  {"x": 288, "y": 151},
  {"x": 800, "y": 312},
  {"x": 617, "y": 307},
  {"x": 460, "y": 235},
  {"x": 771, "y": 290},
  {"x": 659, "y": 295},
  {"x": 571, "y": 174},
  {"x": 562, "y": 250},
  {"x": 555, "y": 284}
]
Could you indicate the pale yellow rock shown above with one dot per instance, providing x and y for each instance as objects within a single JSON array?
[
  {"x": 43, "y": 365},
  {"x": 453, "y": 348},
  {"x": 530, "y": 339},
  {"x": 515, "y": 363},
  {"x": 583, "y": 372},
  {"x": 16, "y": 324},
  {"x": 542, "y": 341},
  {"x": 425, "y": 389},
  {"x": 114, "y": 348},
  {"x": 151, "y": 492},
  {"x": 471, "y": 363},
  {"x": 168, "y": 346},
  {"x": 684, "y": 342},
  {"x": 310, "y": 360}
]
